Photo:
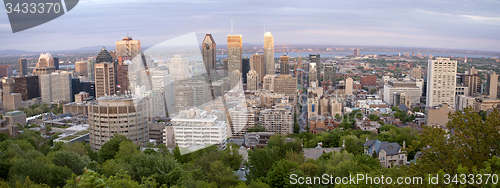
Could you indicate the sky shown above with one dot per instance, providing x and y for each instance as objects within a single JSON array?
[{"x": 454, "y": 24}]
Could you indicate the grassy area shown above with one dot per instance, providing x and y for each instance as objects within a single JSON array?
[{"x": 73, "y": 136}]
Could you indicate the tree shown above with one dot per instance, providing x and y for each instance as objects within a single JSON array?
[
  {"x": 472, "y": 142},
  {"x": 109, "y": 149},
  {"x": 416, "y": 109},
  {"x": 69, "y": 159},
  {"x": 373, "y": 90},
  {"x": 373, "y": 117},
  {"x": 296, "y": 128},
  {"x": 126, "y": 149}
]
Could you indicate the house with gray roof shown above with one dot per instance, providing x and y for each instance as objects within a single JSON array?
[{"x": 389, "y": 154}]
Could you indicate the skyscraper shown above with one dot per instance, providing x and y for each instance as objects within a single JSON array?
[
  {"x": 128, "y": 48},
  {"x": 56, "y": 63},
  {"x": 103, "y": 56},
  {"x": 45, "y": 64},
  {"x": 234, "y": 52},
  {"x": 441, "y": 81},
  {"x": 23, "y": 67},
  {"x": 312, "y": 73},
  {"x": 104, "y": 79},
  {"x": 492, "y": 84},
  {"x": 284, "y": 68},
  {"x": 257, "y": 64},
  {"x": 209, "y": 51},
  {"x": 269, "y": 53},
  {"x": 314, "y": 58}
]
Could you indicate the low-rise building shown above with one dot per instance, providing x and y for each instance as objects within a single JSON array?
[
  {"x": 389, "y": 154},
  {"x": 15, "y": 117}
]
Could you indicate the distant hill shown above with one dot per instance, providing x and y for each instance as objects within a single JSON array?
[{"x": 15, "y": 52}]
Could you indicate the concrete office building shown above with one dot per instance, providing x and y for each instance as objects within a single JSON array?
[
  {"x": 56, "y": 87},
  {"x": 253, "y": 80},
  {"x": 104, "y": 79},
  {"x": 277, "y": 120},
  {"x": 82, "y": 96},
  {"x": 184, "y": 97},
  {"x": 45, "y": 64},
  {"x": 492, "y": 84},
  {"x": 123, "y": 115},
  {"x": 441, "y": 82},
  {"x": 269, "y": 53},
  {"x": 285, "y": 84},
  {"x": 437, "y": 116},
  {"x": 12, "y": 101},
  {"x": 195, "y": 129},
  {"x": 81, "y": 68},
  {"x": 473, "y": 82},
  {"x": 464, "y": 101},
  {"x": 23, "y": 67},
  {"x": 329, "y": 73},
  {"x": 179, "y": 67},
  {"x": 257, "y": 64},
  {"x": 412, "y": 92}
]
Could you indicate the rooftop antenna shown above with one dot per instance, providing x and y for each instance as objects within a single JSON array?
[{"x": 231, "y": 25}]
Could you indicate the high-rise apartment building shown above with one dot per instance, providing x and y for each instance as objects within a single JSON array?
[
  {"x": 81, "y": 68},
  {"x": 209, "y": 51},
  {"x": 441, "y": 81},
  {"x": 269, "y": 53},
  {"x": 5, "y": 71},
  {"x": 284, "y": 67},
  {"x": 253, "y": 80},
  {"x": 122, "y": 115},
  {"x": 104, "y": 79},
  {"x": 315, "y": 58},
  {"x": 28, "y": 87},
  {"x": 23, "y": 67},
  {"x": 416, "y": 73},
  {"x": 183, "y": 96},
  {"x": 473, "y": 82},
  {"x": 492, "y": 84},
  {"x": 56, "y": 87},
  {"x": 257, "y": 64}
]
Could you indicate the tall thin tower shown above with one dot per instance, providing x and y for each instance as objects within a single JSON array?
[
  {"x": 441, "y": 82},
  {"x": 269, "y": 53}
]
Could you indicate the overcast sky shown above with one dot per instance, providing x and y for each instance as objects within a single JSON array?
[{"x": 455, "y": 24}]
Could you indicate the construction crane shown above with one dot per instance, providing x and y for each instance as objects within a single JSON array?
[{"x": 284, "y": 47}]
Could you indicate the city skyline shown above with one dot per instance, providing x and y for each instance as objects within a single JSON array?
[{"x": 451, "y": 25}]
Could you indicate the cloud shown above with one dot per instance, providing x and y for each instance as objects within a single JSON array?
[{"x": 473, "y": 17}]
